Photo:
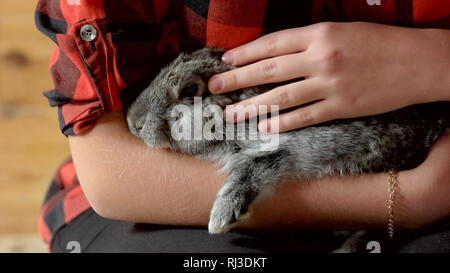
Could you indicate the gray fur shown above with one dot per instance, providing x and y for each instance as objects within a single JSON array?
[{"x": 398, "y": 140}]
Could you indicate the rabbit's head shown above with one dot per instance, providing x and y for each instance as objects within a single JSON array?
[{"x": 150, "y": 116}]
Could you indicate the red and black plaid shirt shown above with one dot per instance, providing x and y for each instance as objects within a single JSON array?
[{"x": 135, "y": 38}]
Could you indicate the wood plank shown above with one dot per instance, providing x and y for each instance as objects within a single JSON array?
[
  {"x": 31, "y": 146},
  {"x": 28, "y": 243}
]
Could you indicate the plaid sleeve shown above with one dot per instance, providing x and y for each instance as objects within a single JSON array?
[{"x": 89, "y": 76}]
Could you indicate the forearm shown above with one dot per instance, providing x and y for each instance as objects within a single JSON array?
[
  {"x": 349, "y": 202},
  {"x": 123, "y": 179},
  {"x": 433, "y": 74}
]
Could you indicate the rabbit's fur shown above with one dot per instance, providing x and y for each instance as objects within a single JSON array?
[{"x": 398, "y": 140}]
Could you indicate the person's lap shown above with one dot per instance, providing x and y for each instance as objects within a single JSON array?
[{"x": 97, "y": 234}]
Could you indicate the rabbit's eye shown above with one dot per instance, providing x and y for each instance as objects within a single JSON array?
[
  {"x": 189, "y": 90},
  {"x": 139, "y": 125}
]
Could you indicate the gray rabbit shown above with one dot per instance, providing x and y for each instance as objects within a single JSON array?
[{"x": 398, "y": 140}]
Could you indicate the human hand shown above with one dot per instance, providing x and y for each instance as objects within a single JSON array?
[
  {"x": 425, "y": 191},
  {"x": 350, "y": 70}
]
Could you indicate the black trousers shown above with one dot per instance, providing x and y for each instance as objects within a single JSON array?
[{"x": 93, "y": 233}]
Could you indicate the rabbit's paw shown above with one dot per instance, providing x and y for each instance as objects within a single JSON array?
[{"x": 225, "y": 215}]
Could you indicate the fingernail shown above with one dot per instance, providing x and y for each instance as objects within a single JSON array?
[
  {"x": 227, "y": 58},
  {"x": 264, "y": 127},
  {"x": 215, "y": 84},
  {"x": 230, "y": 114}
]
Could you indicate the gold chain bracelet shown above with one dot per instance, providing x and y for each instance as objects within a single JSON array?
[{"x": 393, "y": 181}]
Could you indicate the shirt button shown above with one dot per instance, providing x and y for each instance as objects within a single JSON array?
[{"x": 88, "y": 33}]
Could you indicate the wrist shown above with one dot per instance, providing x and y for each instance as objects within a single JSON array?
[
  {"x": 417, "y": 204},
  {"x": 406, "y": 203}
]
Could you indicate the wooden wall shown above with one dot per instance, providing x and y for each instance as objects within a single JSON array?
[{"x": 31, "y": 146}]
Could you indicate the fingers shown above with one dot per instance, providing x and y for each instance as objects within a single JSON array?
[
  {"x": 283, "y": 44},
  {"x": 270, "y": 45},
  {"x": 284, "y": 97},
  {"x": 304, "y": 116},
  {"x": 270, "y": 70}
]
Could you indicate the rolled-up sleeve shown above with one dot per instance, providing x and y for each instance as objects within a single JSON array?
[{"x": 87, "y": 64}]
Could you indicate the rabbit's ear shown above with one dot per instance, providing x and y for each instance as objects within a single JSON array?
[{"x": 208, "y": 53}]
